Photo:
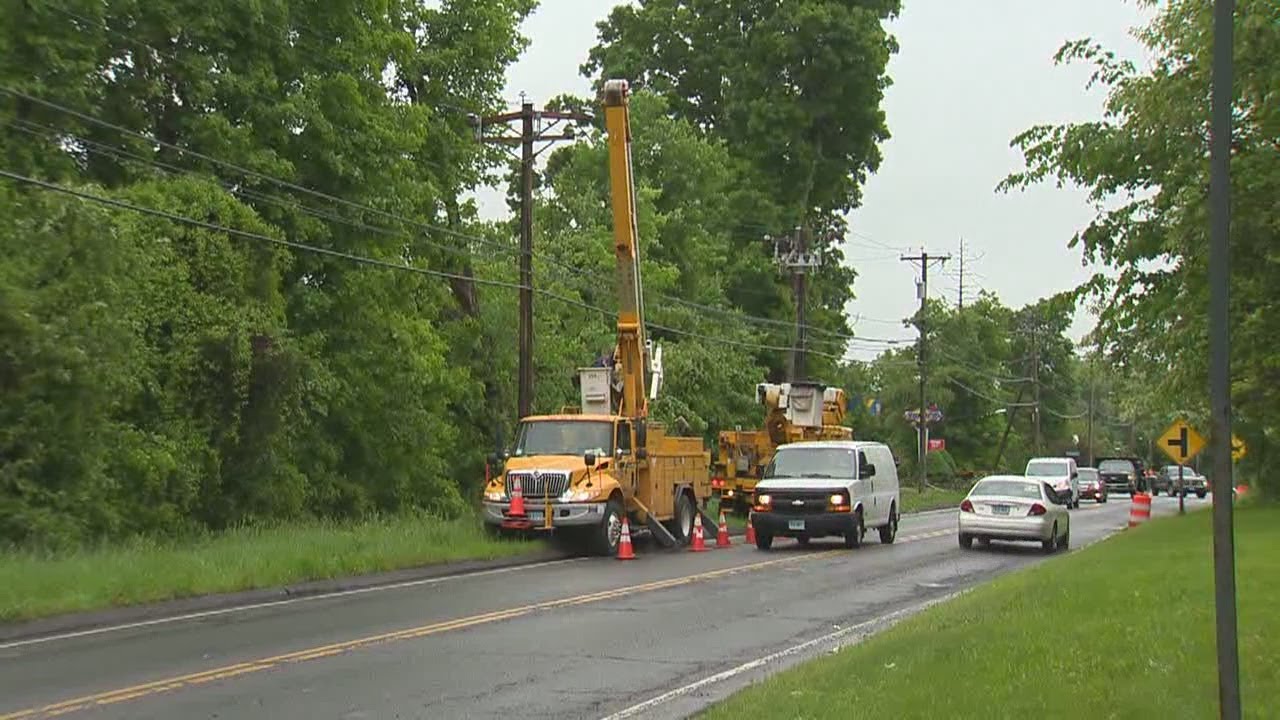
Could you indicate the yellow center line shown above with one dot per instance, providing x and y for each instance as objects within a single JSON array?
[{"x": 221, "y": 673}]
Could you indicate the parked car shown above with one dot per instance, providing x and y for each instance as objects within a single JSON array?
[
  {"x": 1123, "y": 474},
  {"x": 1091, "y": 485},
  {"x": 826, "y": 488},
  {"x": 1062, "y": 475},
  {"x": 1009, "y": 507},
  {"x": 1192, "y": 481}
]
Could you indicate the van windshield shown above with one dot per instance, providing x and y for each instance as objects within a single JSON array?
[
  {"x": 1046, "y": 469},
  {"x": 812, "y": 463}
]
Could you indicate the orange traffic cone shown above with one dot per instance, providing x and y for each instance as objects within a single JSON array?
[
  {"x": 625, "y": 551},
  {"x": 699, "y": 543},
  {"x": 517, "y": 498},
  {"x": 722, "y": 533},
  {"x": 751, "y": 531}
]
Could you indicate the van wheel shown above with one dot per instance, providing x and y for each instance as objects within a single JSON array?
[
  {"x": 853, "y": 538},
  {"x": 804, "y": 541},
  {"x": 890, "y": 531},
  {"x": 606, "y": 536}
]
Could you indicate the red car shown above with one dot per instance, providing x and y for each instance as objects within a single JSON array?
[{"x": 1091, "y": 485}]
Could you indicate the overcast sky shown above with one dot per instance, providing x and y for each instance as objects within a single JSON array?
[{"x": 969, "y": 75}]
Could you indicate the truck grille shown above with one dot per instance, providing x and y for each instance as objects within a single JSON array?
[{"x": 539, "y": 485}]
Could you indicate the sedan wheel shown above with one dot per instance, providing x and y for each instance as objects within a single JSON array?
[{"x": 1052, "y": 543}]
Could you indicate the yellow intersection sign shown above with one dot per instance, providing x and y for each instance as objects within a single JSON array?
[
  {"x": 1238, "y": 449},
  {"x": 1181, "y": 442}
]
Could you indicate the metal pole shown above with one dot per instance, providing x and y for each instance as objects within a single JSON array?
[
  {"x": 1092, "y": 388},
  {"x": 1035, "y": 379},
  {"x": 1182, "y": 496},
  {"x": 1224, "y": 571},
  {"x": 525, "y": 372}
]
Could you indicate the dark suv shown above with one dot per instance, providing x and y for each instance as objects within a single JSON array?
[{"x": 1123, "y": 474}]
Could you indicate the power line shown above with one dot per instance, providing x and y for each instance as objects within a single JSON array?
[{"x": 361, "y": 259}]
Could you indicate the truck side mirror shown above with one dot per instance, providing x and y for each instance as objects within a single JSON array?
[
  {"x": 590, "y": 459},
  {"x": 642, "y": 435},
  {"x": 642, "y": 453}
]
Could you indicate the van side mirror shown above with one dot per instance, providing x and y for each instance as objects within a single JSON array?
[{"x": 867, "y": 471}]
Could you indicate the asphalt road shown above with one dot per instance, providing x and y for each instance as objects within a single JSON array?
[{"x": 660, "y": 636}]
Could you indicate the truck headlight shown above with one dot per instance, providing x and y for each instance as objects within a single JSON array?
[
  {"x": 495, "y": 495},
  {"x": 577, "y": 495}
]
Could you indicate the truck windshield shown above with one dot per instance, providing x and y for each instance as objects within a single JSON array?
[
  {"x": 812, "y": 463},
  {"x": 564, "y": 437},
  {"x": 1115, "y": 466}
]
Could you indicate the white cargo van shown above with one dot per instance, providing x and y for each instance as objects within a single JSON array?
[
  {"x": 827, "y": 488},
  {"x": 1061, "y": 475}
]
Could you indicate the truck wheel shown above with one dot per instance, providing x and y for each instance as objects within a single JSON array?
[
  {"x": 682, "y": 525},
  {"x": 890, "y": 531},
  {"x": 606, "y": 535},
  {"x": 853, "y": 538},
  {"x": 764, "y": 541},
  {"x": 1201, "y": 493}
]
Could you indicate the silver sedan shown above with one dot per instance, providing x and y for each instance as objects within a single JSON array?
[{"x": 1013, "y": 507}]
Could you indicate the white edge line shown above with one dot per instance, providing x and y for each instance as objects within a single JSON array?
[
  {"x": 889, "y": 618},
  {"x": 277, "y": 603}
]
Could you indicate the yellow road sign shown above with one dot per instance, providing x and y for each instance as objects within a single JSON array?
[
  {"x": 1181, "y": 442},
  {"x": 1238, "y": 449}
]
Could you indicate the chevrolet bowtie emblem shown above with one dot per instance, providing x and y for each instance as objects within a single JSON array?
[{"x": 797, "y": 502}]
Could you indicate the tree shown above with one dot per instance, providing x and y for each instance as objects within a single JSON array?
[
  {"x": 793, "y": 88},
  {"x": 1146, "y": 167}
]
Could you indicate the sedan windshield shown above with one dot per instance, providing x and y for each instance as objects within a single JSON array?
[
  {"x": 564, "y": 437},
  {"x": 1010, "y": 488},
  {"x": 1088, "y": 475},
  {"x": 812, "y": 463},
  {"x": 1046, "y": 469}
]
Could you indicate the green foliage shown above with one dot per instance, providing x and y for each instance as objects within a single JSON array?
[
  {"x": 1146, "y": 165},
  {"x": 163, "y": 378}
]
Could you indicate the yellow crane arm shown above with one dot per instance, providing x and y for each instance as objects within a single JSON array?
[{"x": 622, "y": 197}]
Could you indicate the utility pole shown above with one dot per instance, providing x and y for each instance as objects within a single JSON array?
[
  {"x": 1035, "y": 380},
  {"x": 531, "y": 132},
  {"x": 922, "y": 289},
  {"x": 793, "y": 255},
  {"x": 960, "y": 295},
  {"x": 1089, "y": 433},
  {"x": 1224, "y": 552}
]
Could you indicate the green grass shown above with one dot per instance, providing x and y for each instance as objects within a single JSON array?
[
  {"x": 33, "y": 586},
  {"x": 931, "y": 499},
  {"x": 1122, "y": 629}
]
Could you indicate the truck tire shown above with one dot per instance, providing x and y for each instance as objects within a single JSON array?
[
  {"x": 764, "y": 541},
  {"x": 681, "y": 526},
  {"x": 605, "y": 536}
]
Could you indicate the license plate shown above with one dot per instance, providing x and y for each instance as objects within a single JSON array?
[
  {"x": 535, "y": 515},
  {"x": 1000, "y": 509},
  {"x": 795, "y": 524}
]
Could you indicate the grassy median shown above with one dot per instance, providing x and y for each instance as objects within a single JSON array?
[
  {"x": 33, "y": 586},
  {"x": 1121, "y": 629}
]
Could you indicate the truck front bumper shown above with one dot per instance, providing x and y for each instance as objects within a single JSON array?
[
  {"x": 813, "y": 525},
  {"x": 562, "y": 514}
]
